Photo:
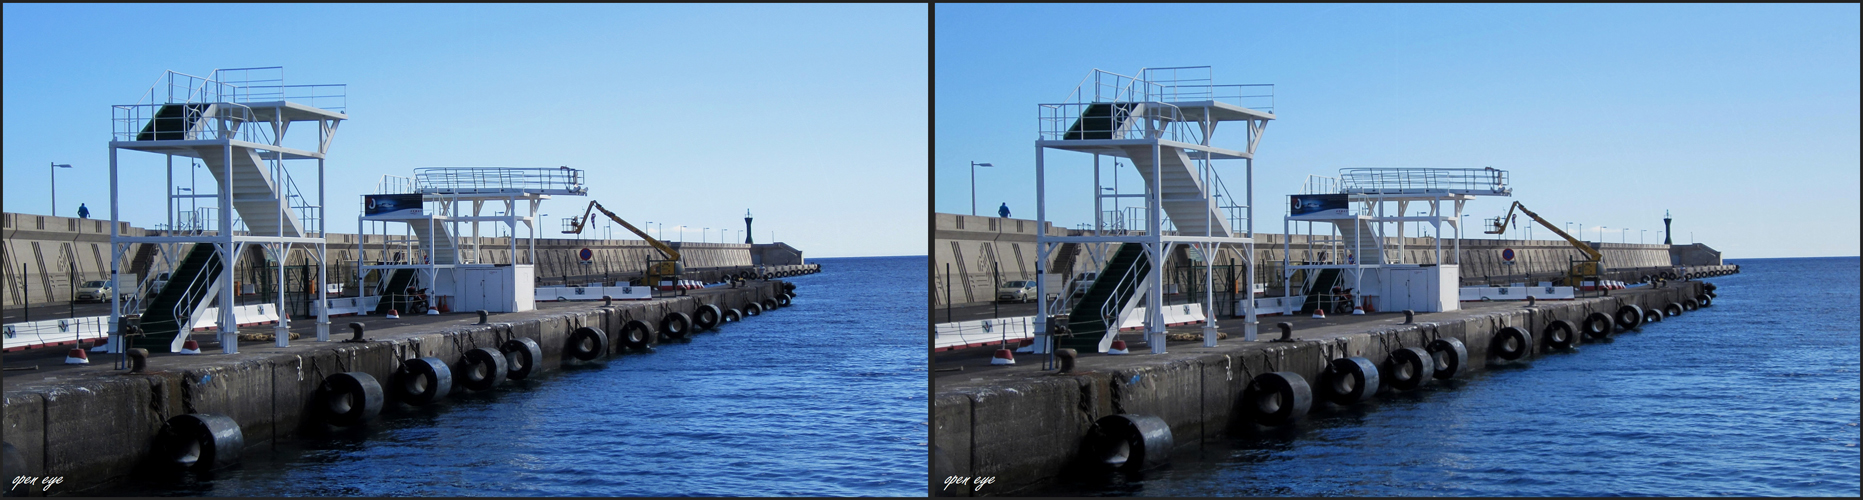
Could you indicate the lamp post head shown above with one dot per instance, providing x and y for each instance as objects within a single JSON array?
[
  {"x": 984, "y": 164},
  {"x": 60, "y": 165}
]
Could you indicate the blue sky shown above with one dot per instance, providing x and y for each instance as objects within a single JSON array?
[
  {"x": 1742, "y": 120},
  {"x": 812, "y": 117}
]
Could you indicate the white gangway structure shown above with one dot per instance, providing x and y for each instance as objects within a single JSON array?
[
  {"x": 235, "y": 122},
  {"x": 1353, "y": 207},
  {"x": 429, "y": 255},
  {"x": 1161, "y": 123}
]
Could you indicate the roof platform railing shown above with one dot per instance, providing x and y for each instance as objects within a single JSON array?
[
  {"x": 500, "y": 181},
  {"x": 1424, "y": 181},
  {"x": 1103, "y": 105}
]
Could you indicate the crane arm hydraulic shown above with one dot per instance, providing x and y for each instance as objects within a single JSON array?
[
  {"x": 583, "y": 221},
  {"x": 1502, "y": 223}
]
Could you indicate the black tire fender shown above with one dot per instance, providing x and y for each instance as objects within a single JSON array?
[
  {"x": 349, "y": 398},
  {"x": 1408, "y": 368},
  {"x": 707, "y": 317},
  {"x": 636, "y": 334},
  {"x": 1597, "y": 325},
  {"x": 521, "y": 357},
  {"x": 1704, "y": 300},
  {"x": 200, "y": 442},
  {"x": 1652, "y": 316},
  {"x": 1511, "y": 343},
  {"x": 769, "y": 305},
  {"x": 1450, "y": 356},
  {"x": 587, "y": 343},
  {"x": 482, "y": 369},
  {"x": 1127, "y": 442},
  {"x": 1349, "y": 380},
  {"x": 1672, "y": 310},
  {"x": 1277, "y": 398},
  {"x": 1630, "y": 316},
  {"x": 423, "y": 380},
  {"x": 675, "y": 325},
  {"x": 753, "y": 309},
  {"x": 1559, "y": 334},
  {"x": 732, "y": 316},
  {"x": 1690, "y": 305},
  {"x": 782, "y": 300}
]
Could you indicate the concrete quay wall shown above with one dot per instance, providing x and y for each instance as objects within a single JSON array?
[
  {"x": 1025, "y": 428},
  {"x": 99, "y": 425}
]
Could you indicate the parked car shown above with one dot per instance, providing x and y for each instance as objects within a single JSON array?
[
  {"x": 1019, "y": 291},
  {"x": 100, "y": 290}
]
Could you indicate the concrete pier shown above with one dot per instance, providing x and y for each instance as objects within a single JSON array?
[
  {"x": 93, "y": 425},
  {"x": 1023, "y": 426}
]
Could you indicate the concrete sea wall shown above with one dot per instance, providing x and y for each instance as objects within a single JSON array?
[
  {"x": 1025, "y": 429},
  {"x": 55, "y": 251},
  {"x": 970, "y": 253},
  {"x": 98, "y": 425}
]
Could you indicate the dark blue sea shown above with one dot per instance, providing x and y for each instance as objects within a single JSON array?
[
  {"x": 1754, "y": 396},
  {"x": 826, "y": 397}
]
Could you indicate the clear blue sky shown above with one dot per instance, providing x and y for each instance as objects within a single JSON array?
[
  {"x": 1740, "y": 119},
  {"x": 813, "y": 117}
]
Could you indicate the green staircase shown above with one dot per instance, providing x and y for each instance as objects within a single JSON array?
[
  {"x": 187, "y": 286},
  {"x": 1099, "y": 121},
  {"x": 394, "y": 296},
  {"x": 1328, "y": 279},
  {"x": 1112, "y": 287},
  {"x": 172, "y": 122}
]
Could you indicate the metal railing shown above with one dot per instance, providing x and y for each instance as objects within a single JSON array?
[
  {"x": 395, "y": 184},
  {"x": 1197, "y": 83},
  {"x": 227, "y": 86},
  {"x": 1424, "y": 180},
  {"x": 1319, "y": 184},
  {"x": 489, "y": 180}
]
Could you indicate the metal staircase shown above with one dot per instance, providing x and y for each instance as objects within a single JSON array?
[
  {"x": 1185, "y": 199},
  {"x": 1099, "y": 311},
  {"x": 257, "y": 195},
  {"x": 193, "y": 283},
  {"x": 394, "y": 294},
  {"x": 1367, "y": 246},
  {"x": 438, "y": 242}
]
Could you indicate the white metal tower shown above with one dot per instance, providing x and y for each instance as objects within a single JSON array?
[
  {"x": 234, "y": 121},
  {"x": 1160, "y": 122}
]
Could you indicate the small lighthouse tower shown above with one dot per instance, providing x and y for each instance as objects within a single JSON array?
[
  {"x": 1665, "y": 228},
  {"x": 747, "y": 233}
]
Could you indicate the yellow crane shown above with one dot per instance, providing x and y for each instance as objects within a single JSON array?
[
  {"x": 670, "y": 268},
  {"x": 1591, "y": 268}
]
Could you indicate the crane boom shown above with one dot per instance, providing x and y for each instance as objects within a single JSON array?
[
  {"x": 1592, "y": 253},
  {"x": 583, "y": 221}
]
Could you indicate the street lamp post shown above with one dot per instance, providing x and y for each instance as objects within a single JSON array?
[
  {"x": 973, "y": 186},
  {"x": 705, "y": 235},
  {"x": 1624, "y": 236},
  {"x": 1640, "y": 234},
  {"x": 56, "y": 166}
]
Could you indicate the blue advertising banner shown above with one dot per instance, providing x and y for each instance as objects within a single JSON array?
[
  {"x": 398, "y": 205},
  {"x": 1318, "y": 205}
]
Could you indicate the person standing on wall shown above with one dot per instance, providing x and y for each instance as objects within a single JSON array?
[
  {"x": 1004, "y": 211},
  {"x": 83, "y": 211}
]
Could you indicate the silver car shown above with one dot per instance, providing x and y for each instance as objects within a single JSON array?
[
  {"x": 93, "y": 291},
  {"x": 1018, "y": 291}
]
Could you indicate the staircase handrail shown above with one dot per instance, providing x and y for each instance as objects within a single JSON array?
[
  {"x": 185, "y": 306},
  {"x": 1109, "y": 311}
]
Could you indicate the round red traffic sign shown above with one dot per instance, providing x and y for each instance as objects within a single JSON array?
[
  {"x": 1507, "y": 254},
  {"x": 587, "y": 254}
]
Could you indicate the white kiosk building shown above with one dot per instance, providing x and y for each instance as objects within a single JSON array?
[{"x": 1161, "y": 123}]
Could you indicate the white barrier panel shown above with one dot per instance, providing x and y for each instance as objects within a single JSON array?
[
  {"x": 549, "y": 293},
  {"x": 980, "y": 332},
  {"x": 351, "y": 305},
  {"x": 1173, "y": 315},
  {"x": 1273, "y": 305},
  {"x": 1479, "y": 293},
  {"x": 242, "y": 316},
  {"x": 56, "y": 331}
]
